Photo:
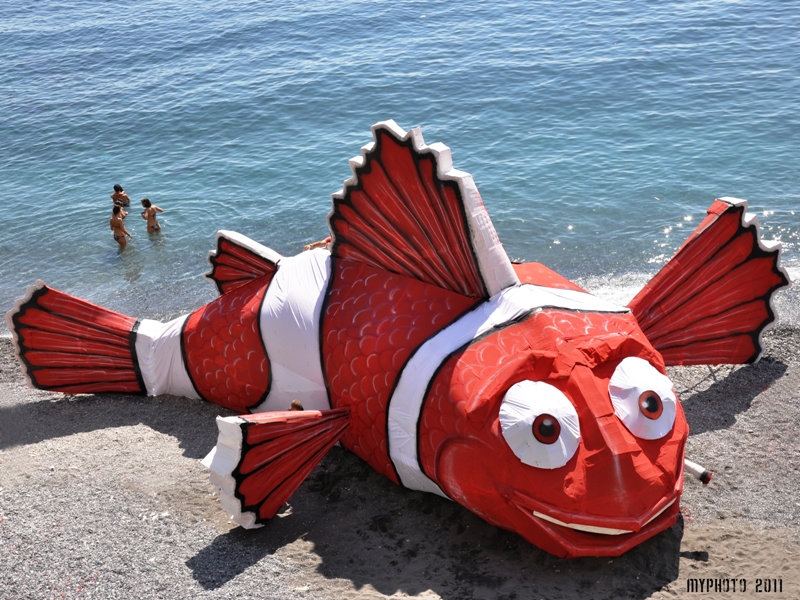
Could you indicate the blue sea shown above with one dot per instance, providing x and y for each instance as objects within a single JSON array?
[{"x": 597, "y": 132}]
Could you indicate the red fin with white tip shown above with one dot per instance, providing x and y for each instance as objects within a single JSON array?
[
  {"x": 712, "y": 301},
  {"x": 261, "y": 459},
  {"x": 406, "y": 210},
  {"x": 69, "y": 345},
  {"x": 239, "y": 260}
]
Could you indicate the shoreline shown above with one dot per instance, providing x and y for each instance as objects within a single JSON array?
[{"x": 104, "y": 496}]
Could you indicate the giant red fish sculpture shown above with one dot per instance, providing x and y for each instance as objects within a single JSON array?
[{"x": 417, "y": 343}]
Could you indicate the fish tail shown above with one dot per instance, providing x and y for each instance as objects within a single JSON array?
[
  {"x": 72, "y": 346},
  {"x": 712, "y": 301},
  {"x": 261, "y": 459}
]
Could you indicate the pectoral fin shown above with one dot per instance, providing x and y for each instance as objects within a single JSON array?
[
  {"x": 712, "y": 301},
  {"x": 261, "y": 459}
]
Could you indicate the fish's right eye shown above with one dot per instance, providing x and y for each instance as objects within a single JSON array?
[{"x": 539, "y": 424}]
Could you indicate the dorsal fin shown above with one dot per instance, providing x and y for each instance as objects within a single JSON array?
[
  {"x": 238, "y": 260},
  {"x": 712, "y": 301},
  {"x": 407, "y": 211},
  {"x": 261, "y": 459}
]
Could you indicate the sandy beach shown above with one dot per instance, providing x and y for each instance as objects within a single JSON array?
[{"x": 104, "y": 496}]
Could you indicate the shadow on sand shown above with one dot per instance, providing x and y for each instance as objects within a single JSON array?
[
  {"x": 361, "y": 524},
  {"x": 731, "y": 391},
  {"x": 366, "y": 530}
]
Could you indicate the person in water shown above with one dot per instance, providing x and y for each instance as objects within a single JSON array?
[
  {"x": 119, "y": 196},
  {"x": 118, "y": 227},
  {"x": 149, "y": 214}
]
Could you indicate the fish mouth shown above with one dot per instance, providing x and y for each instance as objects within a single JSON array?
[
  {"x": 589, "y": 535},
  {"x": 598, "y": 529}
]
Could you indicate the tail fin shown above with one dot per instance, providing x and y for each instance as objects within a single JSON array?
[
  {"x": 712, "y": 301},
  {"x": 68, "y": 345},
  {"x": 261, "y": 459}
]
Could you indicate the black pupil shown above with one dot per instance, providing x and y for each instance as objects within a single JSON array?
[
  {"x": 650, "y": 404},
  {"x": 547, "y": 428}
]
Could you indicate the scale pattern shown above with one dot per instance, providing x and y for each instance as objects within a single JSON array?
[
  {"x": 374, "y": 320},
  {"x": 225, "y": 355}
]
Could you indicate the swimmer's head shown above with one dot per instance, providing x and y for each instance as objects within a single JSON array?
[
  {"x": 117, "y": 209},
  {"x": 145, "y": 202},
  {"x": 117, "y": 188}
]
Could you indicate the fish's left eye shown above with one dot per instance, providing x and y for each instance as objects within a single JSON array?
[
  {"x": 643, "y": 398},
  {"x": 539, "y": 424}
]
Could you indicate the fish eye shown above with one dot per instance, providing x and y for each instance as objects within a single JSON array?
[
  {"x": 650, "y": 404},
  {"x": 539, "y": 424},
  {"x": 643, "y": 398},
  {"x": 546, "y": 429}
]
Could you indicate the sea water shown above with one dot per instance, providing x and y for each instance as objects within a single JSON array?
[{"x": 597, "y": 132}]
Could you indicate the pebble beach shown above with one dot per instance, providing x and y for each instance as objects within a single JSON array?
[{"x": 104, "y": 496}]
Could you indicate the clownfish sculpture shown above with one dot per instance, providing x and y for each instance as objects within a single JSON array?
[{"x": 415, "y": 341}]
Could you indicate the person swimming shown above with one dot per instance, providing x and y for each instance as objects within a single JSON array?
[
  {"x": 149, "y": 214},
  {"x": 118, "y": 227},
  {"x": 119, "y": 196}
]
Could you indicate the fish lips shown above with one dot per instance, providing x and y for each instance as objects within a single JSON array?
[{"x": 588, "y": 535}]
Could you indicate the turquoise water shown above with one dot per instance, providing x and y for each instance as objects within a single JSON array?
[{"x": 598, "y": 133}]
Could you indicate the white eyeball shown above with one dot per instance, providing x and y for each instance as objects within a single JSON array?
[
  {"x": 539, "y": 424},
  {"x": 643, "y": 398}
]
